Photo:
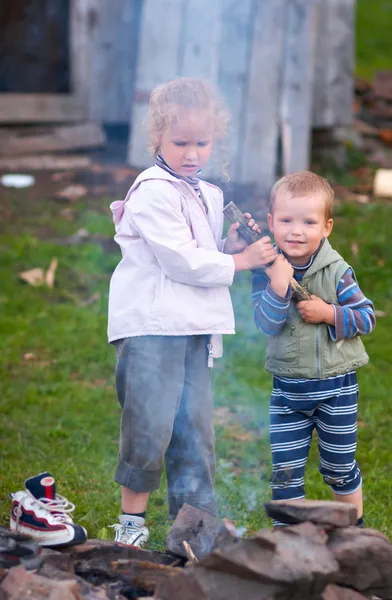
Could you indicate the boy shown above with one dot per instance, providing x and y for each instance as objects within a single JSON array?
[{"x": 313, "y": 346}]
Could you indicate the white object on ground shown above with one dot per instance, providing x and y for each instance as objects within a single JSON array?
[
  {"x": 382, "y": 186},
  {"x": 15, "y": 180}
]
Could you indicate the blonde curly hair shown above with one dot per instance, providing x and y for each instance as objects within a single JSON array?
[{"x": 168, "y": 103}]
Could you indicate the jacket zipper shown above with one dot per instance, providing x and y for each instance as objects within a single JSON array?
[
  {"x": 210, "y": 361},
  {"x": 318, "y": 366}
]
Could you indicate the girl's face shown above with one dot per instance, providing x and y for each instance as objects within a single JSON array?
[{"x": 186, "y": 145}]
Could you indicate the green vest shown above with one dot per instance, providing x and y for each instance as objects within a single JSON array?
[{"x": 306, "y": 350}]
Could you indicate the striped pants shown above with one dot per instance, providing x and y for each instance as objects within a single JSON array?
[{"x": 298, "y": 406}]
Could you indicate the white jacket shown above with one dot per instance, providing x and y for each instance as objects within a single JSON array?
[{"x": 173, "y": 278}]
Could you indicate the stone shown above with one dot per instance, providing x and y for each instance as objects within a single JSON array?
[
  {"x": 202, "y": 531},
  {"x": 321, "y": 512},
  {"x": 336, "y": 592},
  {"x": 202, "y": 584},
  {"x": 365, "y": 560},
  {"x": 297, "y": 565}
]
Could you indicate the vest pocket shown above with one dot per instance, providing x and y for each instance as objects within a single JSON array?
[{"x": 283, "y": 349}]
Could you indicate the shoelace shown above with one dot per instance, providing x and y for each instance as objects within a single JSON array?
[
  {"x": 123, "y": 531},
  {"x": 59, "y": 508}
]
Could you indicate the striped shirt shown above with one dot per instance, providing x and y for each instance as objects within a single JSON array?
[{"x": 354, "y": 313}]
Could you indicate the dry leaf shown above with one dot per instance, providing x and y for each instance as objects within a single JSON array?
[
  {"x": 354, "y": 250},
  {"x": 94, "y": 298},
  {"x": 60, "y": 176},
  {"x": 243, "y": 436},
  {"x": 222, "y": 415},
  {"x": 361, "y": 198},
  {"x": 67, "y": 213},
  {"x": 34, "y": 277},
  {"x": 380, "y": 313},
  {"x": 386, "y": 135},
  {"x": 49, "y": 277},
  {"x": 72, "y": 192}
]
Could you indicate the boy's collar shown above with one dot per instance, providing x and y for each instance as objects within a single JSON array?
[{"x": 305, "y": 267}]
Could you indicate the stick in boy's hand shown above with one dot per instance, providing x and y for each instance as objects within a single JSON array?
[{"x": 233, "y": 213}]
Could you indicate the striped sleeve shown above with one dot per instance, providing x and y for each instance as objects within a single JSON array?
[
  {"x": 354, "y": 313},
  {"x": 269, "y": 309}
]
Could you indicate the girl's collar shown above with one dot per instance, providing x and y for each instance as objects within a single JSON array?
[{"x": 193, "y": 181}]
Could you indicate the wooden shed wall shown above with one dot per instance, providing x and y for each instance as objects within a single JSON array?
[
  {"x": 113, "y": 43},
  {"x": 109, "y": 49}
]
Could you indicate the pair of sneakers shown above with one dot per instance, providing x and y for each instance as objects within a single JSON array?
[{"x": 41, "y": 513}]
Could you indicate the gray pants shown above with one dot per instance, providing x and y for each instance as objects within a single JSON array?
[{"x": 164, "y": 387}]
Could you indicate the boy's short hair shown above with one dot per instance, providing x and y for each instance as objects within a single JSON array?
[{"x": 304, "y": 183}]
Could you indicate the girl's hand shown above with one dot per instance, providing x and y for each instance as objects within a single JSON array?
[
  {"x": 316, "y": 311},
  {"x": 259, "y": 254},
  {"x": 234, "y": 242},
  {"x": 280, "y": 275}
]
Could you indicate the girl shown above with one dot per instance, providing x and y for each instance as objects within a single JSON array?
[{"x": 169, "y": 302}]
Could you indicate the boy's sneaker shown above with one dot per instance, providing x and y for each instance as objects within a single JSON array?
[
  {"x": 131, "y": 531},
  {"x": 44, "y": 515}
]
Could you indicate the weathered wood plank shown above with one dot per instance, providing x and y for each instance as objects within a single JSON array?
[
  {"x": 199, "y": 54},
  {"x": 113, "y": 48},
  {"x": 158, "y": 61},
  {"x": 27, "y": 140},
  {"x": 80, "y": 27},
  {"x": 45, "y": 162},
  {"x": 334, "y": 66},
  {"x": 259, "y": 157},
  {"x": 40, "y": 108},
  {"x": 297, "y": 88},
  {"x": 233, "y": 70}
]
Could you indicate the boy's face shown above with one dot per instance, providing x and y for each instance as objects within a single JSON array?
[
  {"x": 186, "y": 146},
  {"x": 298, "y": 225}
]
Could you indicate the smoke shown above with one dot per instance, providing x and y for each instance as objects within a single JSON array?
[{"x": 241, "y": 391}]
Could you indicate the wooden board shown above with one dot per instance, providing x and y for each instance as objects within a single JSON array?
[
  {"x": 334, "y": 64},
  {"x": 40, "y": 108},
  {"x": 261, "y": 124},
  {"x": 28, "y": 140},
  {"x": 158, "y": 61},
  {"x": 233, "y": 71},
  {"x": 297, "y": 87},
  {"x": 113, "y": 49},
  {"x": 199, "y": 54},
  {"x": 45, "y": 162}
]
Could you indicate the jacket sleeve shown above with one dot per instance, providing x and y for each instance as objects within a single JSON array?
[{"x": 157, "y": 217}]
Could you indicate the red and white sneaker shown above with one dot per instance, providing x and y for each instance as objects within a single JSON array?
[{"x": 44, "y": 515}]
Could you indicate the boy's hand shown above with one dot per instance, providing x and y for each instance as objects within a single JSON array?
[
  {"x": 280, "y": 274},
  {"x": 316, "y": 311},
  {"x": 234, "y": 242}
]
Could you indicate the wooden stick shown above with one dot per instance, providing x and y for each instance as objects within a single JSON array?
[
  {"x": 189, "y": 552},
  {"x": 233, "y": 213}
]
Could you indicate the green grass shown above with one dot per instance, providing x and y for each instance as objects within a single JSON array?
[
  {"x": 373, "y": 37},
  {"x": 59, "y": 411}
]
